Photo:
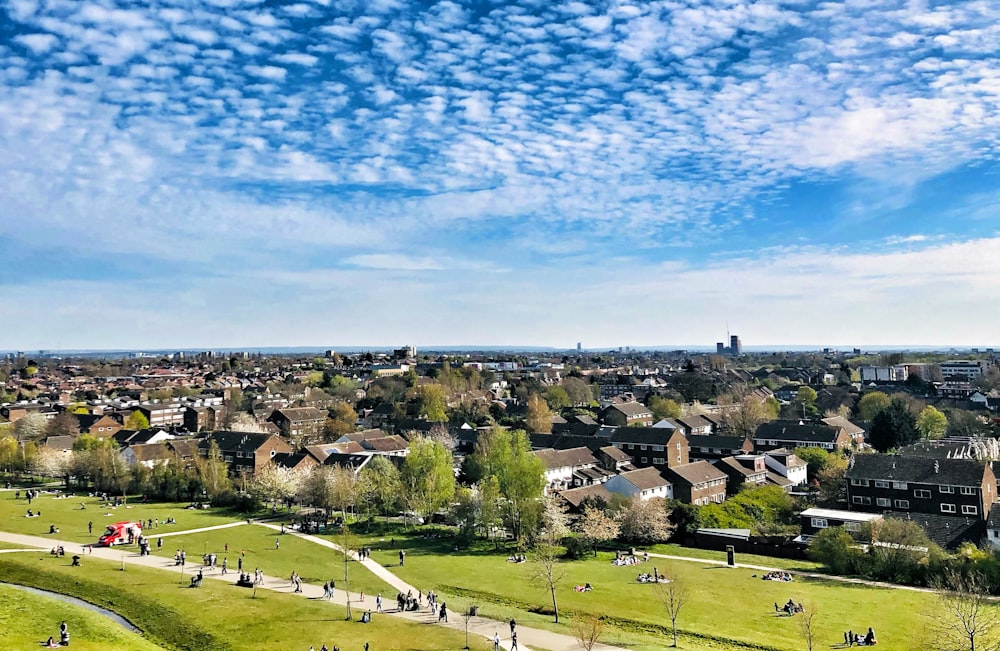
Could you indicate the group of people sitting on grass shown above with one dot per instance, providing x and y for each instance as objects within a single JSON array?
[
  {"x": 777, "y": 575},
  {"x": 32, "y": 514},
  {"x": 857, "y": 639},
  {"x": 63, "y": 638},
  {"x": 583, "y": 588},
  {"x": 58, "y": 551},
  {"x": 655, "y": 577},
  {"x": 628, "y": 559},
  {"x": 517, "y": 558},
  {"x": 790, "y": 607}
]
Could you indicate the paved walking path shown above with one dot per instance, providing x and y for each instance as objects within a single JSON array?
[{"x": 528, "y": 638}]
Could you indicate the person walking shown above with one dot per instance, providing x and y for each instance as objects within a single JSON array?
[
  {"x": 513, "y": 624},
  {"x": 402, "y": 557},
  {"x": 277, "y": 544},
  {"x": 159, "y": 543},
  {"x": 225, "y": 565},
  {"x": 239, "y": 564},
  {"x": 496, "y": 641},
  {"x": 90, "y": 527},
  {"x": 513, "y": 642},
  {"x": 378, "y": 602}
]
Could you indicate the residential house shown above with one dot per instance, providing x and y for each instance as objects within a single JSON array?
[
  {"x": 245, "y": 452},
  {"x": 294, "y": 460},
  {"x": 652, "y": 446},
  {"x": 60, "y": 443},
  {"x": 574, "y": 497},
  {"x": 744, "y": 469},
  {"x": 147, "y": 454},
  {"x": 321, "y": 451},
  {"x": 355, "y": 462},
  {"x": 393, "y": 445},
  {"x": 202, "y": 418},
  {"x": 993, "y": 526},
  {"x": 698, "y": 483},
  {"x": 126, "y": 437},
  {"x": 644, "y": 483},
  {"x": 101, "y": 426},
  {"x": 813, "y": 521},
  {"x": 952, "y": 487},
  {"x": 856, "y": 433},
  {"x": 785, "y": 463},
  {"x": 613, "y": 460},
  {"x": 797, "y": 434},
  {"x": 165, "y": 415},
  {"x": 570, "y": 468},
  {"x": 627, "y": 414},
  {"x": 697, "y": 425},
  {"x": 717, "y": 446},
  {"x": 300, "y": 425}
]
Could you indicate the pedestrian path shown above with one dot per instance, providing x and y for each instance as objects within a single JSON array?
[{"x": 529, "y": 639}]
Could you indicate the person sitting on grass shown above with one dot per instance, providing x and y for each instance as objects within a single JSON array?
[{"x": 51, "y": 643}]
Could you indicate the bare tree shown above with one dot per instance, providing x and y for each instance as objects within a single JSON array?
[
  {"x": 807, "y": 625},
  {"x": 588, "y": 630},
  {"x": 548, "y": 569},
  {"x": 965, "y": 617},
  {"x": 673, "y": 595}
]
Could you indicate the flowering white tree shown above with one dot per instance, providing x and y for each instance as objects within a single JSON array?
[
  {"x": 274, "y": 484},
  {"x": 51, "y": 463}
]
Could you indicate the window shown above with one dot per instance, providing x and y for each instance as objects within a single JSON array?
[
  {"x": 645, "y": 460},
  {"x": 657, "y": 448},
  {"x": 642, "y": 447},
  {"x": 946, "y": 489},
  {"x": 883, "y": 501},
  {"x": 861, "y": 499},
  {"x": 922, "y": 493},
  {"x": 228, "y": 458},
  {"x": 859, "y": 482},
  {"x": 678, "y": 446},
  {"x": 902, "y": 504},
  {"x": 678, "y": 458},
  {"x": 899, "y": 485},
  {"x": 947, "y": 508},
  {"x": 239, "y": 454},
  {"x": 968, "y": 490},
  {"x": 881, "y": 483},
  {"x": 852, "y": 526},
  {"x": 819, "y": 523},
  {"x": 968, "y": 509}
]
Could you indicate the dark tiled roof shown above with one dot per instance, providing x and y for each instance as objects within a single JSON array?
[
  {"x": 565, "y": 441},
  {"x": 645, "y": 478},
  {"x": 352, "y": 461},
  {"x": 576, "y": 495},
  {"x": 575, "y": 429},
  {"x": 716, "y": 441},
  {"x": 632, "y": 409},
  {"x": 242, "y": 441},
  {"x": 917, "y": 470},
  {"x": 697, "y": 472},
  {"x": 288, "y": 459},
  {"x": 572, "y": 457},
  {"x": 945, "y": 530},
  {"x": 993, "y": 519},
  {"x": 795, "y": 431},
  {"x": 642, "y": 435},
  {"x": 615, "y": 454}
]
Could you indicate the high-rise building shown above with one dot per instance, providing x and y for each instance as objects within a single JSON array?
[
  {"x": 735, "y": 346},
  {"x": 579, "y": 347}
]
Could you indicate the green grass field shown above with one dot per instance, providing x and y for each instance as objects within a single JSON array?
[
  {"x": 219, "y": 616},
  {"x": 27, "y": 620},
  {"x": 67, "y": 515},
  {"x": 727, "y": 608}
]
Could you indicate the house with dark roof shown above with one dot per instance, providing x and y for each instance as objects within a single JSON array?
[
  {"x": 627, "y": 414},
  {"x": 147, "y": 454},
  {"x": 950, "y": 487},
  {"x": 245, "y": 452},
  {"x": 697, "y": 425},
  {"x": 698, "y": 483},
  {"x": 571, "y": 468},
  {"x": 717, "y": 446},
  {"x": 652, "y": 446},
  {"x": 993, "y": 526},
  {"x": 797, "y": 434},
  {"x": 744, "y": 469},
  {"x": 788, "y": 465},
  {"x": 300, "y": 425},
  {"x": 573, "y": 497},
  {"x": 294, "y": 460},
  {"x": 201, "y": 418},
  {"x": 354, "y": 462},
  {"x": 854, "y": 431},
  {"x": 948, "y": 531},
  {"x": 644, "y": 484},
  {"x": 102, "y": 426}
]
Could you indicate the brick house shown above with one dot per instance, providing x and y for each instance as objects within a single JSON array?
[
  {"x": 652, "y": 446},
  {"x": 793, "y": 434},
  {"x": 950, "y": 487},
  {"x": 300, "y": 425},
  {"x": 698, "y": 483},
  {"x": 627, "y": 414},
  {"x": 245, "y": 452}
]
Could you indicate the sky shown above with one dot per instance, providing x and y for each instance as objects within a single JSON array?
[{"x": 230, "y": 173}]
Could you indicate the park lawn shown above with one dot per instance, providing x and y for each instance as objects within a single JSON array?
[
  {"x": 798, "y": 565},
  {"x": 27, "y": 620},
  {"x": 66, "y": 514},
  {"x": 725, "y": 604},
  {"x": 221, "y": 616},
  {"x": 314, "y": 563}
]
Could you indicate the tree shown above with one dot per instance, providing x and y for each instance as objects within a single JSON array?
[
  {"x": 244, "y": 422},
  {"x": 427, "y": 477},
  {"x": 137, "y": 421},
  {"x": 807, "y": 625},
  {"x": 871, "y": 404},
  {"x": 342, "y": 420},
  {"x": 548, "y": 569},
  {"x": 380, "y": 485},
  {"x": 213, "y": 472},
  {"x": 832, "y": 490},
  {"x": 806, "y": 397},
  {"x": 931, "y": 423},
  {"x": 274, "y": 484},
  {"x": 30, "y": 427},
  {"x": 664, "y": 408},
  {"x": 588, "y": 629},
  {"x": 646, "y": 522},
  {"x": 10, "y": 454},
  {"x": 893, "y": 427},
  {"x": 432, "y": 402},
  {"x": 596, "y": 527},
  {"x": 539, "y": 417},
  {"x": 673, "y": 596},
  {"x": 816, "y": 459},
  {"x": 507, "y": 456},
  {"x": 966, "y": 617},
  {"x": 64, "y": 424},
  {"x": 833, "y": 547},
  {"x": 578, "y": 391},
  {"x": 557, "y": 398},
  {"x": 51, "y": 463},
  {"x": 745, "y": 413},
  {"x": 897, "y": 549}
]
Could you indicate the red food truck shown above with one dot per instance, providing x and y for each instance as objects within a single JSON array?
[{"x": 120, "y": 533}]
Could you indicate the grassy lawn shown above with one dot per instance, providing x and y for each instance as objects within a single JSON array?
[
  {"x": 27, "y": 620},
  {"x": 66, "y": 514},
  {"x": 748, "y": 559},
  {"x": 314, "y": 563},
  {"x": 218, "y": 616},
  {"x": 727, "y": 608}
]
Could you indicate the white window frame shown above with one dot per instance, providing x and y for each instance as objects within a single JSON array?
[
  {"x": 881, "y": 483},
  {"x": 947, "y": 508},
  {"x": 970, "y": 509},
  {"x": 968, "y": 490},
  {"x": 852, "y": 526},
  {"x": 859, "y": 482},
  {"x": 946, "y": 489},
  {"x": 862, "y": 499},
  {"x": 902, "y": 504},
  {"x": 883, "y": 501},
  {"x": 900, "y": 485},
  {"x": 922, "y": 493},
  {"x": 820, "y": 523}
]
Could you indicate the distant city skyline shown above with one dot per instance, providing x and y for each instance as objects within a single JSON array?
[{"x": 232, "y": 173}]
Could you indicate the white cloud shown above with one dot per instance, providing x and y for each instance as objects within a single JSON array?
[
  {"x": 38, "y": 43},
  {"x": 276, "y": 73}
]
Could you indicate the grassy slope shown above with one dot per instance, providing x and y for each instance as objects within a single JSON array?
[
  {"x": 222, "y": 617},
  {"x": 724, "y": 604},
  {"x": 27, "y": 620}
]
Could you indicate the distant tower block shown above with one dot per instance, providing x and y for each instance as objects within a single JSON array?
[
  {"x": 735, "y": 345},
  {"x": 579, "y": 347}
]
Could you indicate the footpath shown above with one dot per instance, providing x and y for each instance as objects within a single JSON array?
[{"x": 529, "y": 639}]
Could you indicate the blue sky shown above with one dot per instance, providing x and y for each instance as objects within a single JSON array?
[{"x": 236, "y": 173}]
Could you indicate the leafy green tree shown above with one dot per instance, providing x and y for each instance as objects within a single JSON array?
[
  {"x": 137, "y": 421},
  {"x": 834, "y": 548},
  {"x": 9, "y": 453},
  {"x": 433, "y": 402},
  {"x": 506, "y": 455},
  {"x": 871, "y": 404},
  {"x": 931, "y": 423},
  {"x": 806, "y": 397},
  {"x": 816, "y": 459},
  {"x": 894, "y": 427},
  {"x": 664, "y": 408},
  {"x": 578, "y": 391},
  {"x": 427, "y": 477},
  {"x": 557, "y": 397},
  {"x": 213, "y": 473},
  {"x": 381, "y": 485},
  {"x": 342, "y": 420}
]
